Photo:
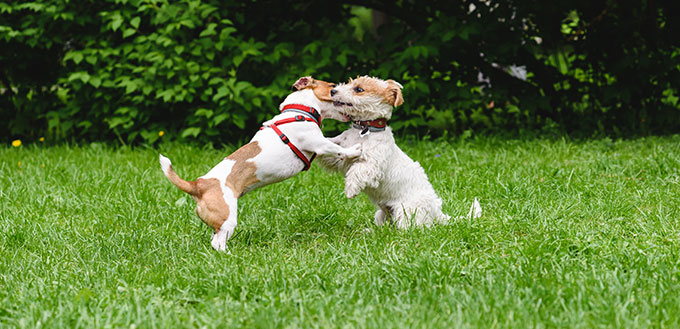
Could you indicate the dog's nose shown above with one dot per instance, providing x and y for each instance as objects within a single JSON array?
[{"x": 333, "y": 92}]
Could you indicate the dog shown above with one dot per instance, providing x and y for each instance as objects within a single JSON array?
[
  {"x": 393, "y": 182},
  {"x": 282, "y": 148}
]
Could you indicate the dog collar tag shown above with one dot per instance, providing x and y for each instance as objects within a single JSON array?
[{"x": 365, "y": 132}]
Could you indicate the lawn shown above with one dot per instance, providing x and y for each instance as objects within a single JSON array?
[{"x": 574, "y": 234}]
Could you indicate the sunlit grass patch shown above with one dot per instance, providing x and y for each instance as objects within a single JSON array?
[{"x": 574, "y": 234}]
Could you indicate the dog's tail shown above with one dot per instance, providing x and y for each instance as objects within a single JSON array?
[
  {"x": 186, "y": 186},
  {"x": 475, "y": 211}
]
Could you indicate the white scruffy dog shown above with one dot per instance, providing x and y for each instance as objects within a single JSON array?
[{"x": 397, "y": 185}]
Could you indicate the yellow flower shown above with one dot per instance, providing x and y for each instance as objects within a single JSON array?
[
  {"x": 16, "y": 142},
  {"x": 161, "y": 133},
  {"x": 42, "y": 165},
  {"x": 19, "y": 164},
  {"x": 42, "y": 139}
]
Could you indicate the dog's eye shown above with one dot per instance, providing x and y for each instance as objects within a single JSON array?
[
  {"x": 332, "y": 85},
  {"x": 358, "y": 89}
]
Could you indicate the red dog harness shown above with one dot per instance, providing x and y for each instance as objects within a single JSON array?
[{"x": 311, "y": 115}]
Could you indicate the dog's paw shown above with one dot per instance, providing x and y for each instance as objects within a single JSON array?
[
  {"x": 351, "y": 190},
  {"x": 353, "y": 151},
  {"x": 380, "y": 218},
  {"x": 219, "y": 243}
]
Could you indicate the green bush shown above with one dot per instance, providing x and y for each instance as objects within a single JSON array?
[{"x": 213, "y": 70}]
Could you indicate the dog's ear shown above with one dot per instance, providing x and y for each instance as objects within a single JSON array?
[
  {"x": 302, "y": 83},
  {"x": 394, "y": 93}
]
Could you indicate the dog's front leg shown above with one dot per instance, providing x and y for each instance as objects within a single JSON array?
[
  {"x": 333, "y": 161},
  {"x": 323, "y": 146},
  {"x": 367, "y": 171},
  {"x": 338, "y": 139},
  {"x": 360, "y": 175}
]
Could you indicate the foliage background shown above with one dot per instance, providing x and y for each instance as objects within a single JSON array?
[{"x": 213, "y": 70}]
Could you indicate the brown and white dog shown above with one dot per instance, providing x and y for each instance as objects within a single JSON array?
[{"x": 266, "y": 159}]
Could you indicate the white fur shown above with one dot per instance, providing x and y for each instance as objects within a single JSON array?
[
  {"x": 276, "y": 161},
  {"x": 475, "y": 210},
  {"x": 397, "y": 185},
  {"x": 165, "y": 163}
]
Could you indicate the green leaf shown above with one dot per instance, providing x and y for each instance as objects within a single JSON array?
[
  {"x": 216, "y": 80},
  {"x": 238, "y": 60},
  {"x": 149, "y": 136},
  {"x": 81, "y": 75},
  {"x": 62, "y": 94},
  {"x": 147, "y": 89},
  {"x": 204, "y": 113},
  {"x": 219, "y": 118},
  {"x": 221, "y": 92},
  {"x": 77, "y": 57},
  {"x": 95, "y": 81},
  {"x": 342, "y": 59},
  {"x": 239, "y": 121},
  {"x": 116, "y": 22},
  {"x": 117, "y": 121},
  {"x": 188, "y": 23},
  {"x": 166, "y": 95},
  {"x": 135, "y": 22},
  {"x": 92, "y": 59},
  {"x": 191, "y": 131},
  {"x": 209, "y": 30},
  {"x": 226, "y": 32},
  {"x": 128, "y": 32}
]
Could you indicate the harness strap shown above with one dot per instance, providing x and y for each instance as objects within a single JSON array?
[
  {"x": 293, "y": 148},
  {"x": 308, "y": 110},
  {"x": 286, "y": 140}
]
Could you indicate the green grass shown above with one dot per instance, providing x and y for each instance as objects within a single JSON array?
[{"x": 573, "y": 235}]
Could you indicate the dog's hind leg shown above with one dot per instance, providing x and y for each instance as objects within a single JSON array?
[
  {"x": 226, "y": 231},
  {"x": 401, "y": 218},
  {"x": 380, "y": 217},
  {"x": 406, "y": 217}
]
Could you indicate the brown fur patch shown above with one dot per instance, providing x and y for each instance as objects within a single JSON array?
[
  {"x": 390, "y": 95},
  {"x": 322, "y": 89},
  {"x": 394, "y": 90},
  {"x": 210, "y": 205},
  {"x": 242, "y": 174}
]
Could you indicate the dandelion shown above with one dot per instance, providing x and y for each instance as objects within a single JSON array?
[
  {"x": 19, "y": 164},
  {"x": 16, "y": 142},
  {"x": 42, "y": 139},
  {"x": 161, "y": 133},
  {"x": 42, "y": 165}
]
